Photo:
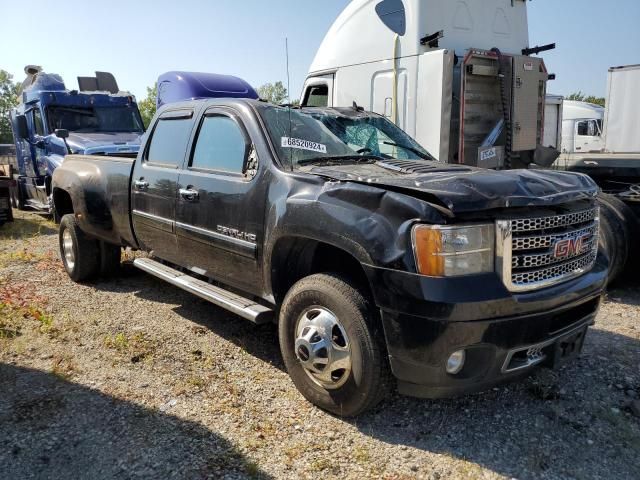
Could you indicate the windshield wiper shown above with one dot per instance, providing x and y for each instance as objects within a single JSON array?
[
  {"x": 423, "y": 155},
  {"x": 334, "y": 158}
]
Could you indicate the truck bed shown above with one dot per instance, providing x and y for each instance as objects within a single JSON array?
[{"x": 99, "y": 191}]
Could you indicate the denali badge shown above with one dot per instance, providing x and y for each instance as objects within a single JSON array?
[
  {"x": 570, "y": 247},
  {"x": 235, "y": 233}
]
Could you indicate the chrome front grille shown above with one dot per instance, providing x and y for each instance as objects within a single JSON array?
[
  {"x": 542, "y": 259},
  {"x": 556, "y": 271},
  {"x": 538, "y": 252},
  {"x": 544, "y": 241},
  {"x": 542, "y": 223}
]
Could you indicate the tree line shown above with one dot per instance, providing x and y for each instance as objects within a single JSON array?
[
  {"x": 581, "y": 97},
  {"x": 8, "y": 99}
]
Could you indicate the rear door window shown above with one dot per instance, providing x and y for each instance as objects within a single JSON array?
[{"x": 170, "y": 138}]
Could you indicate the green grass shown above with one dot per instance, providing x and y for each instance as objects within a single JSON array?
[
  {"x": 137, "y": 347},
  {"x": 27, "y": 225}
]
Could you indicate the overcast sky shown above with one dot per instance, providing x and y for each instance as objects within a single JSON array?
[{"x": 138, "y": 40}]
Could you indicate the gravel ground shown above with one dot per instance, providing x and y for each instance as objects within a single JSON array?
[{"x": 132, "y": 378}]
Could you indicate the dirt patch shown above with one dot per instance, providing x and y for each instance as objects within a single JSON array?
[{"x": 132, "y": 378}]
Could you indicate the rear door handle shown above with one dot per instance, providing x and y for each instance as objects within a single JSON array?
[
  {"x": 141, "y": 184},
  {"x": 189, "y": 194}
]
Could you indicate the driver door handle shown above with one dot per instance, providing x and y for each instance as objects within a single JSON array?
[
  {"x": 189, "y": 194},
  {"x": 141, "y": 184}
]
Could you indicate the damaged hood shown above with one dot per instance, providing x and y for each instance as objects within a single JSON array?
[
  {"x": 465, "y": 189},
  {"x": 96, "y": 143}
]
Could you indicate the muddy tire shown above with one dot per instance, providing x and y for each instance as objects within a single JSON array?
[
  {"x": 80, "y": 254},
  {"x": 333, "y": 345}
]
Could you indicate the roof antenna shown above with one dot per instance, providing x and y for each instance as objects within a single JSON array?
[{"x": 286, "y": 46}]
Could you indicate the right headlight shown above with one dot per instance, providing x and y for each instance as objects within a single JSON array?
[{"x": 443, "y": 251}]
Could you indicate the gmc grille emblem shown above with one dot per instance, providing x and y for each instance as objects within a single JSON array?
[{"x": 570, "y": 247}]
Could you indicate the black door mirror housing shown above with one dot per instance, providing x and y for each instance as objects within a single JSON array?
[
  {"x": 250, "y": 167},
  {"x": 62, "y": 133},
  {"x": 21, "y": 127}
]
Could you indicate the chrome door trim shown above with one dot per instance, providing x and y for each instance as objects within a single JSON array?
[{"x": 155, "y": 220}]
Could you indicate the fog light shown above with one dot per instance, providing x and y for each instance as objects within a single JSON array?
[{"x": 456, "y": 362}]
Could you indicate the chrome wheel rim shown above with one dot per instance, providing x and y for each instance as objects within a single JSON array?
[
  {"x": 322, "y": 347},
  {"x": 67, "y": 249}
]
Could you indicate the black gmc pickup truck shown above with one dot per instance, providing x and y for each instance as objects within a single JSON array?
[{"x": 379, "y": 266}]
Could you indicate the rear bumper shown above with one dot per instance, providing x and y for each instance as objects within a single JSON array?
[{"x": 426, "y": 320}]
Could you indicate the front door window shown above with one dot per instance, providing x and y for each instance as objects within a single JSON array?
[{"x": 221, "y": 146}]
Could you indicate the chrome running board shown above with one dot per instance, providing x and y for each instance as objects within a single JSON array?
[{"x": 241, "y": 306}]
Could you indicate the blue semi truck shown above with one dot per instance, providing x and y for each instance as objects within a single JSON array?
[{"x": 51, "y": 121}]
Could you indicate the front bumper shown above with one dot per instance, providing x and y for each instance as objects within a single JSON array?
[{"x": 427, "y": 319}]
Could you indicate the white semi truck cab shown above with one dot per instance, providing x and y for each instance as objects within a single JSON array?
[
  {"x": 582, "y": 128},
  {"x": 457, "y": 75}
]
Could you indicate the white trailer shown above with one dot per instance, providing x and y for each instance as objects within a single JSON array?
[
  {"x": 604, "y": 143},
  {"x": 589, "y": 129},
  {"x": 455, "y": 75},
  {"x": 622, "y": 119}
]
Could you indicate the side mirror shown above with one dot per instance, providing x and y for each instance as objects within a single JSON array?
[
  {"x": 250, "y": 167},
  {"x": 62, "y": 133},
  {"x": 21, "y": 126}
]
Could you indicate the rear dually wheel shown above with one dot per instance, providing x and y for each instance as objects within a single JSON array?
[{"x": 80, "y": 254}]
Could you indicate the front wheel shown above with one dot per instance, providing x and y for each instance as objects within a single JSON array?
[
  {"x": 80, "y": 254},
  {"x": 332, "y": 345}
]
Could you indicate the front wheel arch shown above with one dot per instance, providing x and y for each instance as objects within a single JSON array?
[
  {"x": 294, "y": 258},
  {"x": 62, "y": 202}
]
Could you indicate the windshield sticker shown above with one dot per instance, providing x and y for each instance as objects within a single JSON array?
[{"x": 303, "y": 145}]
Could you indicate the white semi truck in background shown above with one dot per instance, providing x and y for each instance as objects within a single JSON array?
[
  {"x": 459, "y": 77},
  {"x": 604, "y": 143}
]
